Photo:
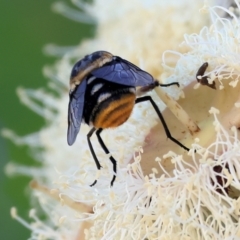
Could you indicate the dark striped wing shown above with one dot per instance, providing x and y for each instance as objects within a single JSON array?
[
  {"x": 75, "y": 111},
  {"x": 123, "y": 72}
]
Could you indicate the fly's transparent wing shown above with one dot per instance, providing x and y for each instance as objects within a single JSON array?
[
  {"x": 75, "y": 111},
  {"x": 123, "y": 72}
]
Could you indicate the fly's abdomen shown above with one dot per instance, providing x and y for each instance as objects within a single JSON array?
[
  {"x": 113, "y": 111},
  {"x": 107, "y": 104}
]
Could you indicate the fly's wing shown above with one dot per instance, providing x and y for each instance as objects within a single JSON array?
[
  {"x": 75, "y": 111},
  {"x": 123, "y": 72}
]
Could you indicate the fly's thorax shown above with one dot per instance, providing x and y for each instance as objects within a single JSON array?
[
  {"x": 107, "y": 104},
  {"x": 86, "y": 65}
]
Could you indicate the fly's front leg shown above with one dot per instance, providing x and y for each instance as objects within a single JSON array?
[{"x": 148, "y": 98}]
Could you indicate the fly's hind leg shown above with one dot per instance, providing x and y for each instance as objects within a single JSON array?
[
  {"x": 114, "y": 162},
  {"x": 92, "y": 152}
]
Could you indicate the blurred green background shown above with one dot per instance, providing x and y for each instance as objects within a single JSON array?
[{"x": 25, "y": 28}]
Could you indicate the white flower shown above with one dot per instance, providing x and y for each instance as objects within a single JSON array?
[{"x": 180, "y": 195}]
